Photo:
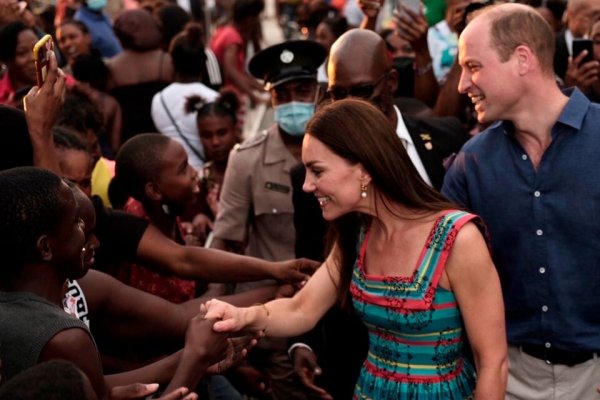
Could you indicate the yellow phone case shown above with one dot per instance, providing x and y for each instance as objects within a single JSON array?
[{"x": 40, "y": 58}]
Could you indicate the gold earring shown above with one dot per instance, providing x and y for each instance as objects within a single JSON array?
[{"x": 363, "y": 191}]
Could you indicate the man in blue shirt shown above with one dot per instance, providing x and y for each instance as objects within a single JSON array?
[
  {"x": 103, "y": 37},
  {"x": 533, "y": 178}
]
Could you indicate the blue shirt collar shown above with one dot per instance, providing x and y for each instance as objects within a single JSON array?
[
  {"x": 572, "y": 115},
  {"x": 575, "y": 110}
]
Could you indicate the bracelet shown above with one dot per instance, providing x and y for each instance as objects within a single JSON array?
[
  {"x": 268, "y": 313},
  {"x": 420, "y": 71},
  {"x": 265, "y": 308}
]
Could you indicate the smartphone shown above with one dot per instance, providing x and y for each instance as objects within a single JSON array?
[
  {"x": 40, "y": 57},
  {"x": 414, "y": 5},
  {"x": 583, "y": 44}
]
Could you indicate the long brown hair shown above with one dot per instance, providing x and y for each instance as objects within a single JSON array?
[{"x": 360, "y": 133}]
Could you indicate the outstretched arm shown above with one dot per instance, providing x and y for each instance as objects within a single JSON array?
[
  {"x": 214, "y": 265},
  {"x": 475, "y": 283},
  {"x": 126, "y": 316},
  {"x": 282, "y": 317}
]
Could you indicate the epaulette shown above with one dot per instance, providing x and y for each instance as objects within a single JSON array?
[{"x": 253, "y": 141}]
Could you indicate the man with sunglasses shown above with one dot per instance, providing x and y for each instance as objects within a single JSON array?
[
  {"x": 371, "y": 76},
  {"x": 255, "y": 207}
]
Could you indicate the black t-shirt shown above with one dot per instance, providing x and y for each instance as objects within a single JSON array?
[{"x": 119, "y": 234}]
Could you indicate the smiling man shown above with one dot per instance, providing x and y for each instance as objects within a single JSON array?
[{"x": 531, "y": 177}]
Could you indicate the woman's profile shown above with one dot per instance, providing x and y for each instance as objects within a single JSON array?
[{"x": 416, "y": 269}]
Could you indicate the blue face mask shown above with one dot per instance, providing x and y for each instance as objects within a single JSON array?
[
  {"x": 96, "y": 5},
  {"x": 292, "y": 117}
]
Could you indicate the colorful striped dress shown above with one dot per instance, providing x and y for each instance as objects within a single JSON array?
[{"x": 415, "y": 327}]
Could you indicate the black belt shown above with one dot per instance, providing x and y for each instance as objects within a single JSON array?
[{"x": 556, "y": 356}]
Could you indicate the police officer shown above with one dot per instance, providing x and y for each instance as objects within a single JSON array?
[{"x": 255, "y": 208}]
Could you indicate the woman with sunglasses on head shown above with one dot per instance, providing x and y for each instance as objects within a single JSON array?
[{"x": 417, "y": 270}]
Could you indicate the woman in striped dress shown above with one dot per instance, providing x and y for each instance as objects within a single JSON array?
[{"x": 416, "y": 269}]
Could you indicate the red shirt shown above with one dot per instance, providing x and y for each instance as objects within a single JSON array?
[
  {"x": 169, "y": 287},
  {"x": 7, "y": 92},
  {"x": 224, "y": 37}
]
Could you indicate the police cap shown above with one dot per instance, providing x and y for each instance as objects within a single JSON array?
[{"x": 283, "y": 62}]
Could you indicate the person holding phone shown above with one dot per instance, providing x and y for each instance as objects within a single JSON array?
[
  {"x": 594, "y": 89},
  {"x": 584, "y": 67},
  {"x": 578, "y": 14}
]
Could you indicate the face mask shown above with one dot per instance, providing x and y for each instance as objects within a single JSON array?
[
  {"x": 403, "y": 64},
  {"x": 96, "y": 5},
  {"x": 292, "y": 117}
]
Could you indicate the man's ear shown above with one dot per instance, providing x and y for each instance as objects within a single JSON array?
[
  {"x": 526, "y": 59},
  {"x": 152, "y": 191},
  {"x": 43, "y": 248}
]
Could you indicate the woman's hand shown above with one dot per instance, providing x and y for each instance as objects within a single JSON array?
[{"x": 231, "y": 319}]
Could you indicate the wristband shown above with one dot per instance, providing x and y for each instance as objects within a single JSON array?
[{"x": 296, "y": 346}]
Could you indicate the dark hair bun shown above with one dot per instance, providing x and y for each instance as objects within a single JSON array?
[{"x": 229, "y": 101}]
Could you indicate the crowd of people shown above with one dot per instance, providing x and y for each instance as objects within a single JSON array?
[{"x": 418, "y": 221}]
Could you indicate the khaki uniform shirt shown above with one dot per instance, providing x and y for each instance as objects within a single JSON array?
[{"x": 255, "y": 204}]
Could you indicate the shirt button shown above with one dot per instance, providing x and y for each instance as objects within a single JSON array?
[
  {"x": 537, "y": 193},
  {"x": 524, "y": 157},
  {"x": 539, "y": 232},
  {"x": 547, "y": 345},
  {"x": 542, "y": 270},
  {"x": 545, "y": 308},
  {"x": 274, "y": 211}
]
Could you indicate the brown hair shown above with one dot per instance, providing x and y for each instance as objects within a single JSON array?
[
  {"x": 360, "y": 133},
  {"x": 518, "y": 25}
]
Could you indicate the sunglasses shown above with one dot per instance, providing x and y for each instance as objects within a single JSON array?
[{"x": 364, "y": 91}]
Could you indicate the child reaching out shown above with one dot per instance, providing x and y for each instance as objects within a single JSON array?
[{"x": 154, "y": 180}]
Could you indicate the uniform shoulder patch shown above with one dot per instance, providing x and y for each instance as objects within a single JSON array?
[{"x": 253, "y": 141}]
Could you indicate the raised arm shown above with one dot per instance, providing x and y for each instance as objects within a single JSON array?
[
  {"x": 475, "y": 283},
  {"x": 413, "y": 28},
  {"x": 42, "y": 106}
]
